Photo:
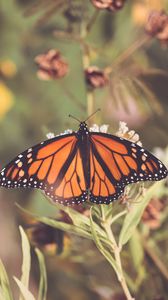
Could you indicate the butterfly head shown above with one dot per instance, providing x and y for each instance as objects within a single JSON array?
[{"x": 83, "y": 128}]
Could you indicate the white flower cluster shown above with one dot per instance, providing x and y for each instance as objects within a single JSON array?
[
  {"x": 51, "y": 135},
  {"x": 130, "y": 135},
  {"x": 134, "y": 137},
  {"x": 67, "y": 131},
  {"x": 123, "y": 132},
  {"x": 123, "y": 128},
  {"x": 95, "y": 128}
]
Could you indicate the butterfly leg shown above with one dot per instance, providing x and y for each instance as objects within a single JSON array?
[{"x": 125, "y": 198}]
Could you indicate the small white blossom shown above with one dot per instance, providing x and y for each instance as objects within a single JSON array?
[
  {"x": 94, "y": 128},
  {"x": 123, "y": 128},
  {"x": 50, "y": 135},
  {"x": 139, "y": 143},
  {"x": 67, "y": 131},
  {"x": 130, "y": 135},
  {"x": 104, "y": 128},
  {"x": 134, "y": 137}
]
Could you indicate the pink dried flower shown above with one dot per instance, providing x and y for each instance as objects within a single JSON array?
[
  {"x": 157, "y": 26},
  {"x": 112, "y": 5},
  {"x": 95, "y": 77},
  {"x": 51, "y": 65}
]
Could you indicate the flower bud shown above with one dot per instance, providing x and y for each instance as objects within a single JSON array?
[
  {"x": 95, "y": 77},
  {"x": 51, "y": 65},
  {"x": 112, "y": 5},
  {"x": 157, "y": 26}
]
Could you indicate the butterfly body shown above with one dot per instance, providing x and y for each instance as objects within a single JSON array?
[
  {"x": 84, "y": 146},
  {"x": 82, "y": 165}
]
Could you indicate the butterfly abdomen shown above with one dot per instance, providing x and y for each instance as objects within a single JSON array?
[{"x": 84, "y": 147}]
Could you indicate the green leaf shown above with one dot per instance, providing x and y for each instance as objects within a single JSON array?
[
  {"x": 107, "y": 210},
  {"x": 26, "y": 294},
  {"x": 137, "y": 251},
  {"x": 100, "y": 246},
  {"x": 77, "y": 218},
  {"x": 26, "y": 260},
  {"x": 43, "y": 276},
  {"x": 74, "y": 229},
  {"x": 58, "y": 224},
  {"x": 137, "y": 255},
  {"x": 117, "y": 216},
  {"x": 133, "y": 217},
  {"x": 5, "y": 291},
  {"x": 65, "y": 227}
]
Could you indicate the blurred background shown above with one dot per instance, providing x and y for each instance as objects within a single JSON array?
[{"x": 134, "y": 67}]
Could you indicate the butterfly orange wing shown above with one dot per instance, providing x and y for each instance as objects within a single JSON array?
[
  {"x": 54, "y": 166},
  {"x": 116, "y": 162}
]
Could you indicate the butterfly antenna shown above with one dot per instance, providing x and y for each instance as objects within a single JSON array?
[
  {"x": 92, "y": 114},
  {"x": 70, "y": 116}
]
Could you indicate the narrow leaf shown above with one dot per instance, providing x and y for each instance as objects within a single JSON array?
[
  {"x": 65, "y": 227},
  {"x": 26, "y": 260},
  {"x": 133, "y": 217},
  {"x": 79, "y": 219},
  {"x": 74, "y": 229},
  {"x": 43, "y": 276},
  {"x": 137, "y": 251},
  {"x": 26, "y": 294},
  {"x": 4, "y": 284},
  {"x": 57, "y": 224}
]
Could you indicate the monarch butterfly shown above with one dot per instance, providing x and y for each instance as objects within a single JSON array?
[{"x": 81, "y": 165}]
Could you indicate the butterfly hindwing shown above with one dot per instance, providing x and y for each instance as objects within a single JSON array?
[
  {"x": 103, "y": 189},
  {"x": 116, "y": 162},
  {"x": 53, "y": 166}
]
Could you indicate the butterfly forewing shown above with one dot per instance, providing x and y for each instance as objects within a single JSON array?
[
  {"x": 53, "y": 166},
  {"x": 116, "y": 162}
]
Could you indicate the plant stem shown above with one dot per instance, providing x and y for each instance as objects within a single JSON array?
[
  {"x": 116, "y": 251},
  {"x": 84, "y": 30},
  {"x": 92, "y": 20},
  {"x": 89, "y": 94}
]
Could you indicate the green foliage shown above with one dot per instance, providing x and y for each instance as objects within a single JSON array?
[
  {"x": 5, "y": 291},
  {"x": 133, "y": 217},
  {"x": 23, "y": 283},
  {"x": 24, "y": 292},
  {"x": 43, "y": 276},
  {"x": 100, "y": 228}
]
